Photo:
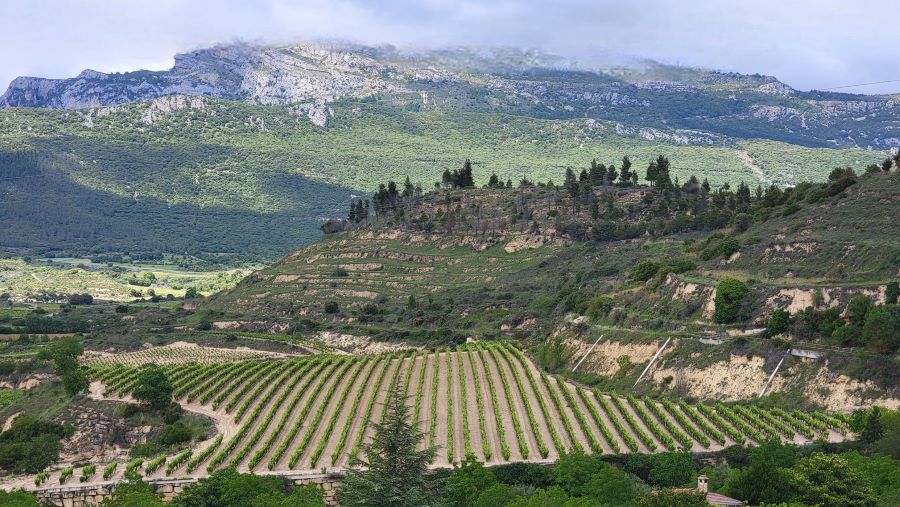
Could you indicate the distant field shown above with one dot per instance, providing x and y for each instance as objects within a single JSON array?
[{"x": 77, "y": 276}]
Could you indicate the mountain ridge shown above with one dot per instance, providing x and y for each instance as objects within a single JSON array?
[{"x": 639, "y": 93}]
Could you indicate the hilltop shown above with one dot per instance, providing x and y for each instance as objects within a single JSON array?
[{"x": 531, "y": 261}]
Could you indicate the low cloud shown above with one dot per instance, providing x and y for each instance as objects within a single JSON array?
[{"x": 808, "y": 44}]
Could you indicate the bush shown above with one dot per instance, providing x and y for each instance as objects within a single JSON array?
[
  {"x": 153, "y": 388},
  {"x": 730, "y": 296},
  {"x": 645, "y": 270},
  {"x": 331, "y": 307},
  {"x": 779, "y": 322},
  {"x": 30, "y": 445}
]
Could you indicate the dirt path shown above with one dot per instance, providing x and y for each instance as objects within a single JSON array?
[
  {"x": 440, "y": 369},
  {"x": 472, "y": 406},
  {"x": 755, "y": 169},
  {"x": 490, "y": 422}
]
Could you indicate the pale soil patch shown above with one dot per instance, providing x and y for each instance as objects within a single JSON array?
[
  {"x": 797, "y": 299},
  {"x": 360, "y": 344},
  {"x": 525, "y": 242},
  {"x": 736, "y": 379},
  {"x": 7, "y": 424},
  {"x": 841, "y": 393},
  {"x": 603, "y": 359}
]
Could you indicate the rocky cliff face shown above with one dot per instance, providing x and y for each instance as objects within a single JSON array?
[{"x": 642, "y": 95}]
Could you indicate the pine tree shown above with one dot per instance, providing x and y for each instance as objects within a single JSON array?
[
  {"x": 652, "y": 173},
  {"x": 393, "y": 473},
  {"x": 625, "y": 175}
]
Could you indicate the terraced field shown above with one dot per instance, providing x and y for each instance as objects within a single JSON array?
[
  {"x": 355, "y": 269},
  {"x": 489, "y": 400}
]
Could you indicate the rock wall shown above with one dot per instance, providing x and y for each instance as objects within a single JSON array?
[{"x": 93, "y": 494}]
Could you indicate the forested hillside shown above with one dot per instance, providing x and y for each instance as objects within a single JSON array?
[{"x": 251, "y": 181}]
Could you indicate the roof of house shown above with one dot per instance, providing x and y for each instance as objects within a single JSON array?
[{"x": 717, "y": 499}]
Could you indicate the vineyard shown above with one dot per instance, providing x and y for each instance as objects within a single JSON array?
[
  {"x": 175, "y": 353},
  {"x": 488, "y": 400}
]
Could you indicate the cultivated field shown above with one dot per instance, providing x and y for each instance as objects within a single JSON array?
[{"x": 487, "y": 400}]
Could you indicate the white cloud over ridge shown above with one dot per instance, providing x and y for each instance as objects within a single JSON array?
[{"x": 806, "y": 43}]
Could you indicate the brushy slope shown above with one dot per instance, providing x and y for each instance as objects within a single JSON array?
[{"x": 255, "y": 178}]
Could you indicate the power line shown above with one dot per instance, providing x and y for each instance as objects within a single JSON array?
[{"x": 861, "y": 84}]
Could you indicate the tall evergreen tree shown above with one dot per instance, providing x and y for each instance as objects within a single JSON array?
[
  {"x": 393, "y": 472},
  {"x": 625, "y": 175}
]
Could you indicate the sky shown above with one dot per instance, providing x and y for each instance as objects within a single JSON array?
[{"x": 806, "y": 43}]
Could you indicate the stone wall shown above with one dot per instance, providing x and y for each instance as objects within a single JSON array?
[{"x": 93, "y": 494}]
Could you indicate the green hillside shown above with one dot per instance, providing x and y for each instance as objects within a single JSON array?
[{"x": 250, "y": 181}]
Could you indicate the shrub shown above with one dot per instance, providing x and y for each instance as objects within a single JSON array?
[
  {"x": 779, "y": 322},
  {"x": 645, "y": 270},
  {"x": 331, "y": 307},
  {"x": 730, "y": 296}
]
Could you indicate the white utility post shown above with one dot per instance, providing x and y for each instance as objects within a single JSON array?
[
  {"x": 587, "y": 353},
  {"x": 772, "y": 376},
  {"x": 658, "y": 352}
]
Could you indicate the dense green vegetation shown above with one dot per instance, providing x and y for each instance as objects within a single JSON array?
[{"x": 254, "y": 179}]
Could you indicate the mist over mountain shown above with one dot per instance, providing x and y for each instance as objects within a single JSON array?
[{"x": 709, "y": 106}]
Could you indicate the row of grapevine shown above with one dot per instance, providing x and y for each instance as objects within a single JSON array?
[
  {"x": 348, "y": 424},
  {"x": 673, "y": 429},
  {"x": 523, "y": 394},
  {"x": 301, "y": 417},
  {"x": 514, "y": 415},
  {"x": 479, "y": 402},
  {"x": 579, "y": 417},
  {"x": 642, "y": 435},
  {"x": 450, "y": 419},
  {"x": 554, "y": 435},
  {"x": 648, "y": 421},
  {"x": 342, "y": 400},
  {"x": 598, "y": 420},
  {"x": 464, "y": 406},
  {"x": 495, "y": 403}
]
